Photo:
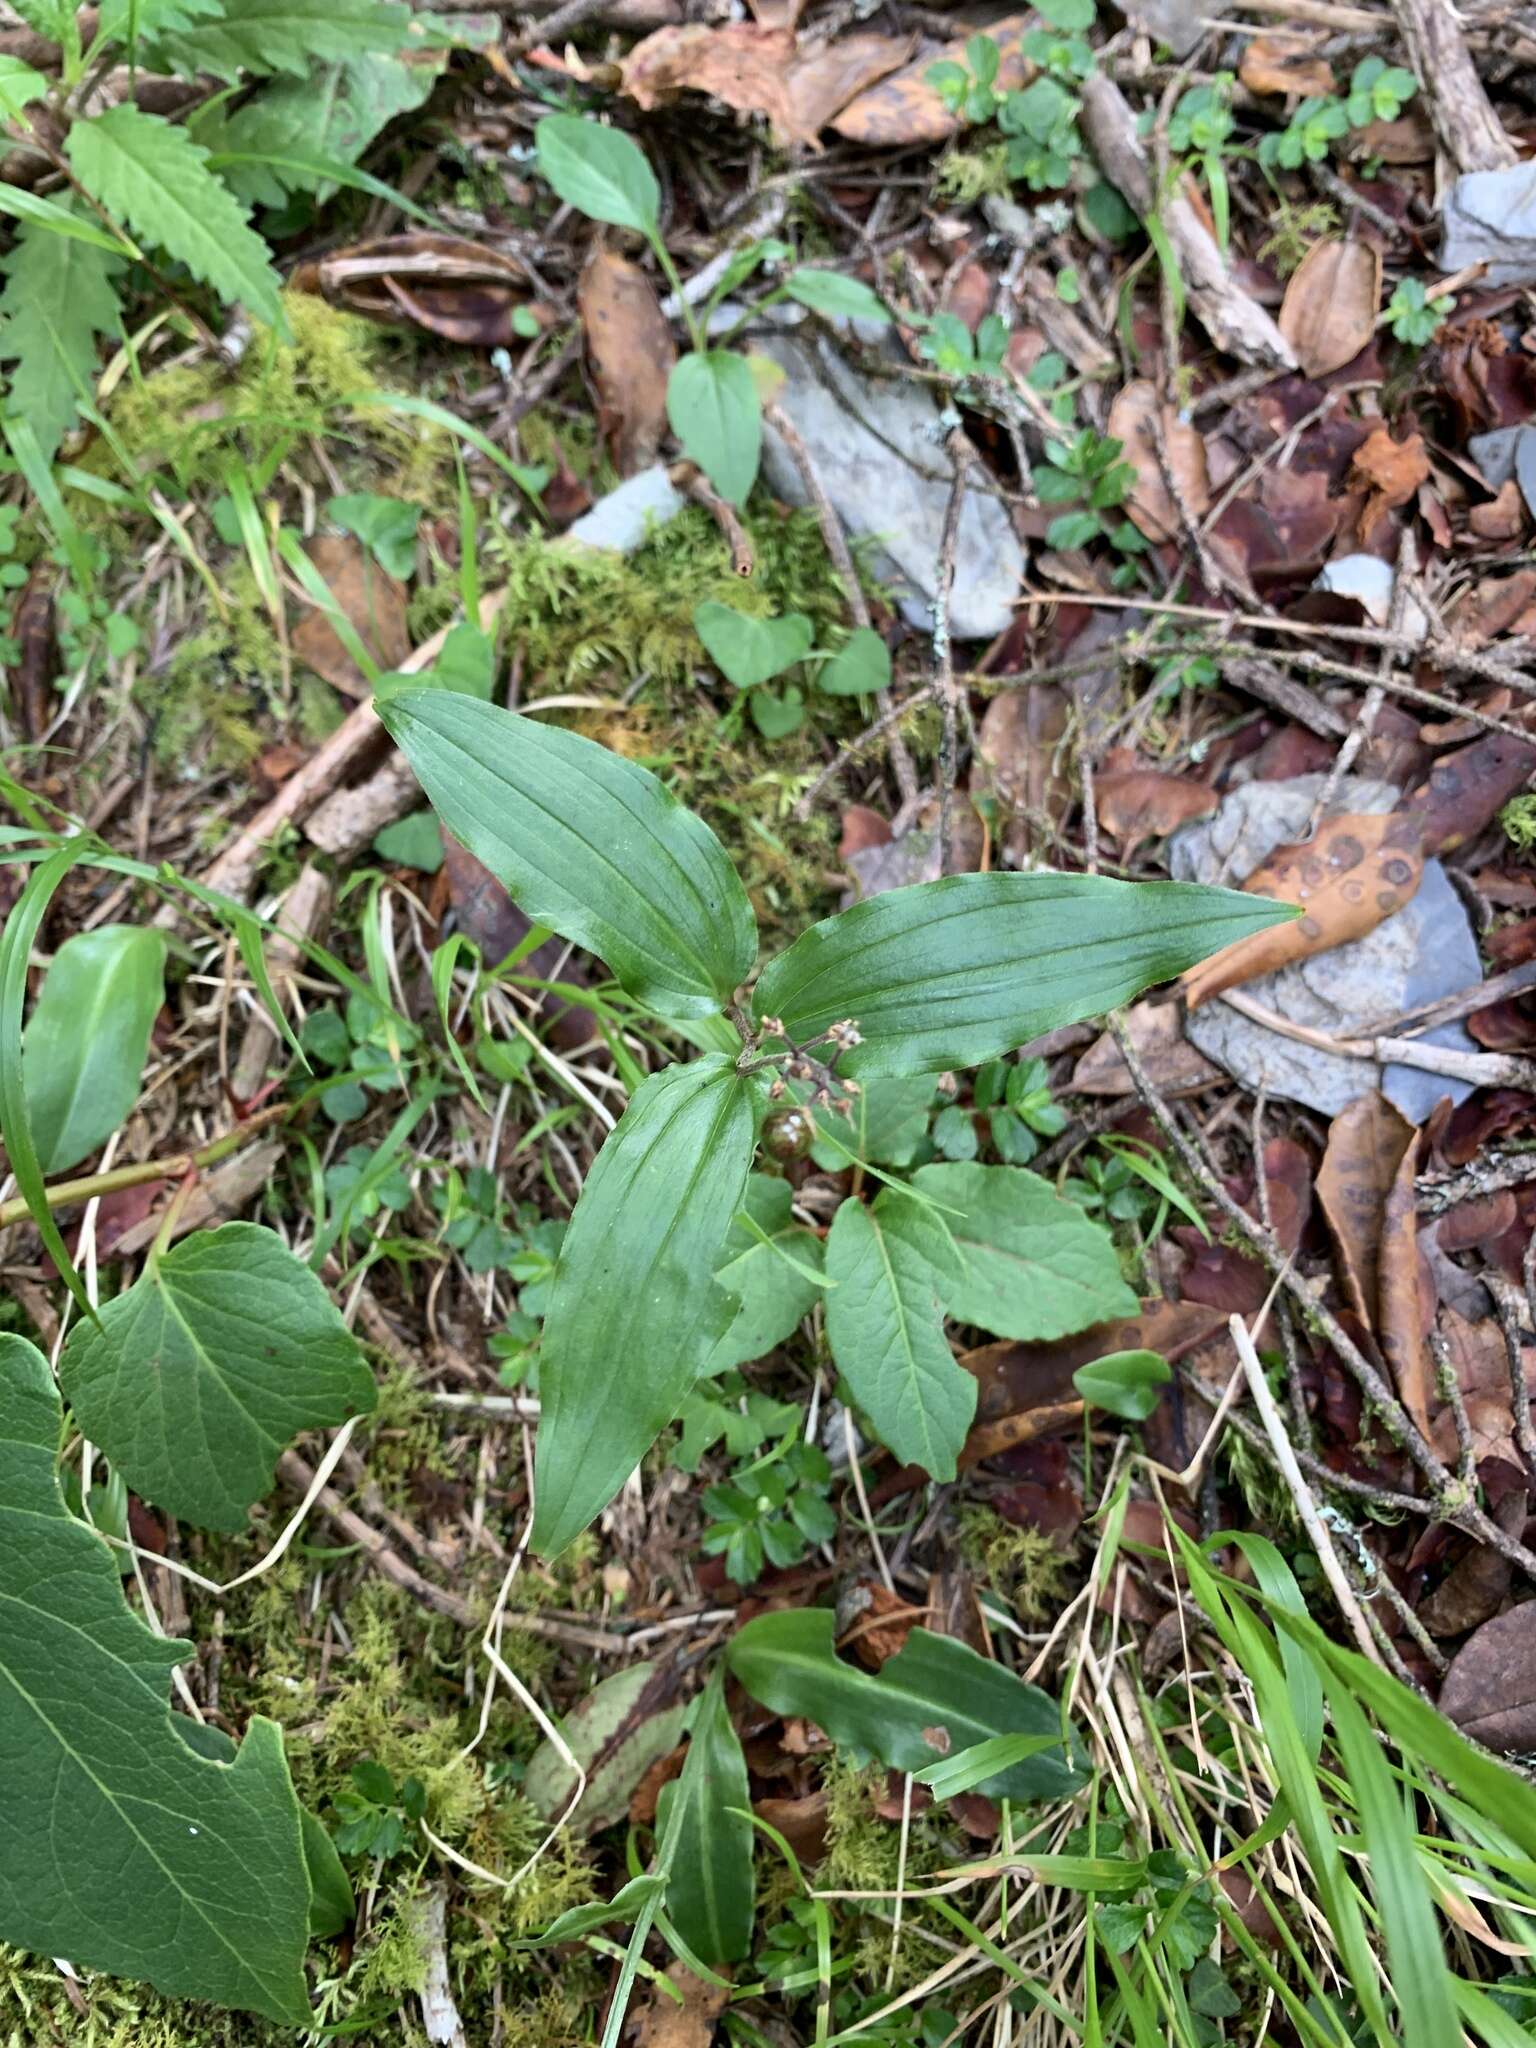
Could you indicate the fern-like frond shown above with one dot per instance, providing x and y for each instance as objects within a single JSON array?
[{"x": 59, "y": 295}]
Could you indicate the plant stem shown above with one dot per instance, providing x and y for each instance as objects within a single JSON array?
[
  {"x": 66, "y": 1192},
  {"x": 670, "y": 271}
]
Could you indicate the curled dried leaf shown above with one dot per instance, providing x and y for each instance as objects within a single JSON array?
[
  {"x": 631, "y": 351},
  {"x": 1330, "y": 306},
  {"x": 1285, "y": 64}
]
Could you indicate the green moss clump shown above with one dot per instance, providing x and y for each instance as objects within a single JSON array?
[
  {"x": 967, "y": 175},
  {"x": 1026, "y": 1565}
]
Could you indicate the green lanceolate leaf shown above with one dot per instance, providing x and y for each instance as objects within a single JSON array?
[
  {"x": 713, "y": 406},
  {"x": 770, "y": 1264},
  {"x": 84, "y": 1051},
  {"x": 60, "y": 294},
  {"x": 635, "y": 1311},
  {"x": 1034, "y": 1265},
  {"x": 119, "y": 1847},
  {"x": 709, "y": 1892},
  {"x": 624, "y": 1907},
  {"x": 838, "y": 297},
  {"x": 749, "y": 651},
  {"x": 933, "y": 1698},
  {"x": 599, "y": 171},
  {"x": 587, "y": 843},
  {"x": 887, "y": 1269},
  {"x": 950, "y": 973},
  {"x": 153, "y": 175},
  {"x": 249, "y": 37},
  {"x": 223, "y": 1351}
]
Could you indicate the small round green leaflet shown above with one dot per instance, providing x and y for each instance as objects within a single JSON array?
[
  {"x": 750, "y": 651},
  {"x": 599, "y": 171},
  {"x": 860, "y": 666},
  {"x": 713, "y": 408},
  {"x": 1124, "y": 1383}
]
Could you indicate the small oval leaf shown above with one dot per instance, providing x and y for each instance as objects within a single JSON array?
[
  {"x": 87, "y": 1039},
  {"x": 599, "y": 171},
  {"x": 713, "y": 406}
]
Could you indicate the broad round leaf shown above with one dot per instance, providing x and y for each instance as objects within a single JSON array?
[
  {"x": 635, "y": 1310},
  {"x": 599, "y": 171},
  {"x": 950, "y": 973},
  {"x": 713, "y": 407},
  {"x": 749, "y": 651},
  {"x": 119, "y": 1846},
  {"x": 587, "y": 843},
  {"x": 193, "y": 1382},
  {"x": 87, "y": 1039},
  {"x": 860, "y": 666},
  {"x": 1125, "y": 1383}
]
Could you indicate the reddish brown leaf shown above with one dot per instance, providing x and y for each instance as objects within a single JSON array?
[
  {"x": 875, "y": 1622},
  {"x": 1022, "y": 762},
  {"x": 1476, "y": 1222},
  {"x": 1390, "y": 470},
  {"x": 758, "y": 70},
  {"x": 1476, "y": 1586},
  {"x": 802, "y": 1822},
  {"x": 371, "y": 600},
  {"x": 486, "y": 914},
  {"x": 37, "y": 663},
  {"x": 1490, "y": 1689},
  {"x": 1285, "y": 64},
  {"x": 1173, "y": 1065},
  {"x": 664, "y": 2022},
  {"x": 1498, "y": 604},
  {"x": 1144, "y": 803},
  {"x": 631, "y": 351},
  {"x": 1366, "y": 1146},
  {"x": 1405, "y": 1298},
  {"x": 862, "y": 828},
  {"x": 1329, "y": 311},
  {"x": 825, "y": 77},
  {"x": 1352, "y": 874},
  {"x": 905, "y": 108},
  {"x": 1466, "y": 790},
  {"x": 1502, "y": 517},
  {"x": 1135, "y": 419},
  {"x": 444, "y": 284},
  {"x": 1481, "y": 1364}
]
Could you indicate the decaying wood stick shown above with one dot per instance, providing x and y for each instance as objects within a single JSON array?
[
  {"x": 1468, "y": 129},
  {"x": 1234, "y": 321}
]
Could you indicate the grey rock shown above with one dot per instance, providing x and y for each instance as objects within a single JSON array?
[
  {"x": 1490, "y": 217},
  {"x": 1507, "y": 452},
  {"x": 1425, "y": 951},
  {"x": 878, "y": 447},
  {"x": 1369, "y": 581},
  {"x": 626, "y": 516},
  {"x": 1178, "y": 23}
]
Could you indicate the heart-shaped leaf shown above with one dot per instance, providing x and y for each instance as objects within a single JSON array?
[
  {"x": 776, "y": 717},
  {"x": 749, "y": 651},
  {"x": 223, "y": 1351},
  {"x": 715, "y": 412},
  {"x": 861, "y": 665}
]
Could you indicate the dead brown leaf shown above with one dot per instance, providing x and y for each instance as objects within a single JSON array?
[
  {"x": 1490, "y": 1689},
  {"x": 486, "y": 913},
  {"x": 631, "y": 351},
  {"x": 1476, "y": 1586},
  {"x": 1354, "y": 872},
  {"x": 1467, "y": 789},
  {"x": 802, "y": 1822},
  {"x": 664, "y": 2023},
  {"x": 1173, "y": 1065},
  {"x": 1329, "y": 311},
  {"x": 1145, "y": 803},
  {"x": 1481, "y": 1365},
  {"x": 1285, "y": 64},
  {"x": 444, "y": 284},
  {"x": 1405, "y": 1294},
  {"x": 1366, "y": 1146},
  {"x": 825, "y": 77},
  {"x": 372, "y": 601},
  {"x": 905, "y": 108},
  {"x": 1501, "y": 517},
  {"x": 1021, "y": 761},
  {"x": 1390, "y": 470},
  {"x": 759, "y": 70},
  {"x": 1134, "y": 421}
]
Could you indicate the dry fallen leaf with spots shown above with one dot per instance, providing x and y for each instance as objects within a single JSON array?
[
  {"x": 1352, "y": 874},
  {"x": 1467, "y": 789},
  {"x": 905, "y": 108},
  {"x": 1329, "y": 311},
  {"x": 374, "y": 603},
  {"x": 1134, "y": 420},
  {"x": 1391, "y": 471},
  {"x": 631, "y": 351},
  {"x": 1145, "y": 803},
  {"x": 1285, "y": 64},
  {"x": 1366, "y": 1145}
]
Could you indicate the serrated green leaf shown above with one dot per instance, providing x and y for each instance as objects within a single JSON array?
[
  {"x": 51, "y": 18},
  {"x": 20, "y": 85},
  {"x": 600, "y": 171},
  {"x": 587, "y": 843},
  {"x": 713, "y": 407},
  {"x": 709, "y": 1892},
  {"x": 749, "y": 651},
  {"x": 249, "y": 38},
  {"x": 83, "y": 1055},
  {"x": 768, "y": 1263},
  {"x": 60, "y": 294},
  {"x": 634, "y": 1310},
  {"x": 947, "y": 974},
  {"x": 119, "y": 1847},
  {"x": 333, "y": 112},
  {"x": 887, "y": 1268},
  {"x": 1034, "y": 1266},
  {"x": 932, "y": 1699},
  {"x": 195, "y": 1379},
  {"x": 154, "y": 176}
]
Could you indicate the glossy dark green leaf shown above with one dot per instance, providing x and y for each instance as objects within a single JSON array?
[
  {"x": 585, "y": 842},
  {"x": 713, "y": 407},
  {"x": 599, "y": 171},
  {"x": 197, "y": 1378},
  {"x": 888, "y": 1267},
  {"x": 932, "y": 1699},
  {"x": 1034, "y": 1266},
  {"x": 87, "y": 1039},
  {"x": 771, "y": 1265},
  {"x": 709, "y": 1893},
  {"x": 946, "y": 974},
  {"x": 120, "y": 1847},
  {"x": 635, "y": 1310}
]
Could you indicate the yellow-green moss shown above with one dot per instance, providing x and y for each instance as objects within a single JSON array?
[{"x": 1025, "y": 1565}]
